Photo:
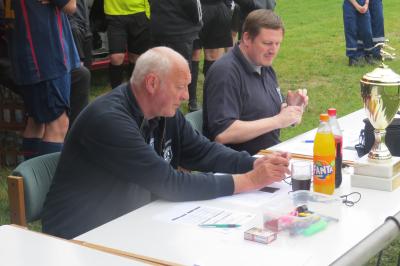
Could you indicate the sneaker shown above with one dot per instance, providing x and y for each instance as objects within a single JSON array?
[{"x": 356, "y": 62}]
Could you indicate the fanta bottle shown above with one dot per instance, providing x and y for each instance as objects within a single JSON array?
[{"x": 324, "y": 158}]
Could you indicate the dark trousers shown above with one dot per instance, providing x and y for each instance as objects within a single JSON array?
[
  {"x": 377, "y": 21},
  {"x": 184, "y": 47},
  {"x": 357, "y": 26},
  {"x": 80, "y": 89}
]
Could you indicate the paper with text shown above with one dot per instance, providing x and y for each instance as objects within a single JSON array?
[{"x": 195, "y": 214}]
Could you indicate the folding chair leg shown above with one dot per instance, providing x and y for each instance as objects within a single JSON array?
[{"x": 16, "y": 199}]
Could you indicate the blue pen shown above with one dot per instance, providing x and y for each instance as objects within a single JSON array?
[
  {"x": 220, "y": 225},
  {"x": 309, "y": 141}
]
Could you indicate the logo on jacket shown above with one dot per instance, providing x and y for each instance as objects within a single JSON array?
[{"x": 167, "y": 151}]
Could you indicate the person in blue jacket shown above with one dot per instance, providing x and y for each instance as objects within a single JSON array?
[{"x": 357, "y": 25}]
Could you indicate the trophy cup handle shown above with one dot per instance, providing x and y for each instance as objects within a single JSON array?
[{"x": 385, "y": 54}]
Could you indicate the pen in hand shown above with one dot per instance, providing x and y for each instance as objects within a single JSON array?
[{"x": 220, "y": 225}]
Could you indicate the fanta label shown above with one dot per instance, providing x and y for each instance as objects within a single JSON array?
[{"x": 322, "y": 169}]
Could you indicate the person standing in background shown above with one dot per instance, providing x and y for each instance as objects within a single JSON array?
[
  {"x": 80, "y": 27},
  {"x": 214, "y": 35},
  {"x": 42, "y": 53},
  {"x": 377, "y": 25},
  {"x": 80, "y": 77},
  {"x": 176, "y": 24},
  {"x": 357, "y": 25},
  {"x": 242, "y": 8},
  {"x": 128, "y": 28}
]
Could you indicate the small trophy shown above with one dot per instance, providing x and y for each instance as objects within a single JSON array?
[{"x": 380, "y": 91}]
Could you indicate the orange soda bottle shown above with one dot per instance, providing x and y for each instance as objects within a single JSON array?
[{"x": 324, "y": 158}]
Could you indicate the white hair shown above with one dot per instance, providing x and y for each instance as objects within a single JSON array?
[{"x": 158, "y": 60}]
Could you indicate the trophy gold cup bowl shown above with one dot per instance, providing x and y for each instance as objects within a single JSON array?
[{"x": 380, "y": 91}]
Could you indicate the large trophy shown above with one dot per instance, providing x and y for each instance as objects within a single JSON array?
[{"x": 380, "y": 91}]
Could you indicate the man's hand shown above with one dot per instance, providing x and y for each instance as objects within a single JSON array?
[
  {"x": 267, "y": 169},
  {"x": 363, "y": 9},
  {"x": 267, "y": 157},
  {"x": 297, "y": 98},
  {"x": 289, "y": 115}
]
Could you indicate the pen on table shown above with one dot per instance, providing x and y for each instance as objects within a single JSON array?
[
  {"x": 308, "y": 141},
  {"x": 220, "y": 225}
]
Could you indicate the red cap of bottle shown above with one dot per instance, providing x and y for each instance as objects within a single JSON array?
[{"x": 332, "y": 112}]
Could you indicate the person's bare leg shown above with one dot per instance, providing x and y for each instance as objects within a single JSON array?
[
  {"x": 54, "y": 135},
  {"x": 56, "y": 130},
  {"x": 32, "y": 137},
  {"x": 210, "y": 56}
]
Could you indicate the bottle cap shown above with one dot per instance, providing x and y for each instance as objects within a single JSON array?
[
  {"x": 324, "y": 117},
  {"x": 332, "y": 112}
]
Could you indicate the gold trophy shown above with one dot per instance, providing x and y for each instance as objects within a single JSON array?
[{"x": 380, "y": 91}]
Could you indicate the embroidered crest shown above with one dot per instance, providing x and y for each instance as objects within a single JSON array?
[{"x": 167, "y": 151}]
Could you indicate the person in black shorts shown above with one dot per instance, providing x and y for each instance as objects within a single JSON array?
[
  {"x": 242, "y": 8},
  {"x": 214, "y": 35},
  {"x": 43, "y": 53},
  {"x": 176, "y": 24},
  {"x": 128, "y": 29}
]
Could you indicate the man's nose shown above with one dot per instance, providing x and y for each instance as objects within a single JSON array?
[
  {"x": 275, "y": 47},
  {"x": 185, "y": 95}
]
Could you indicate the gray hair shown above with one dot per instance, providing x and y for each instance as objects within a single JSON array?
[{"x": 157, "y": 60}]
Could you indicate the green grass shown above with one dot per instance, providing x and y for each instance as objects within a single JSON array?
[{"x": 312, "y": 56}]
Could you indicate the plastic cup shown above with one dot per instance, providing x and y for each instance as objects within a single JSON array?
[{"x": 301, "y": 175}]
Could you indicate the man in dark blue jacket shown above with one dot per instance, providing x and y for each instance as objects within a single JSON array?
[{"x": 124, "y": 149}]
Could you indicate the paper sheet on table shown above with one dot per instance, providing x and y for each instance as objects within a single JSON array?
[
  {"x": 256, "y": 199},
  {"x": 195, "y": 214}
]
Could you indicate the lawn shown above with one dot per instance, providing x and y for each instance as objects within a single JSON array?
[{"x": 312, "y": 56}]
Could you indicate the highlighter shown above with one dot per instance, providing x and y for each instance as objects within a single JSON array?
[{"x": 315, "y": 228}]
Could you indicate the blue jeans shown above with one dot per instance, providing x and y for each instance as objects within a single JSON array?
[{"x": 357, "y": 26}]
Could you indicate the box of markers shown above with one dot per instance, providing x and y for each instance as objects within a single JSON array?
[{"x": 301, "y": 213}]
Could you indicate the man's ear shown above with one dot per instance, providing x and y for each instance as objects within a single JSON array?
[
  {"x": 246, "y": 38},
  {"x": 152, "y": 83}
]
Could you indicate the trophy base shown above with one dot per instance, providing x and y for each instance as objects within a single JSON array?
[
  {"x": 377, "y": 183},
  {"x": 380, "y": 169}
]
